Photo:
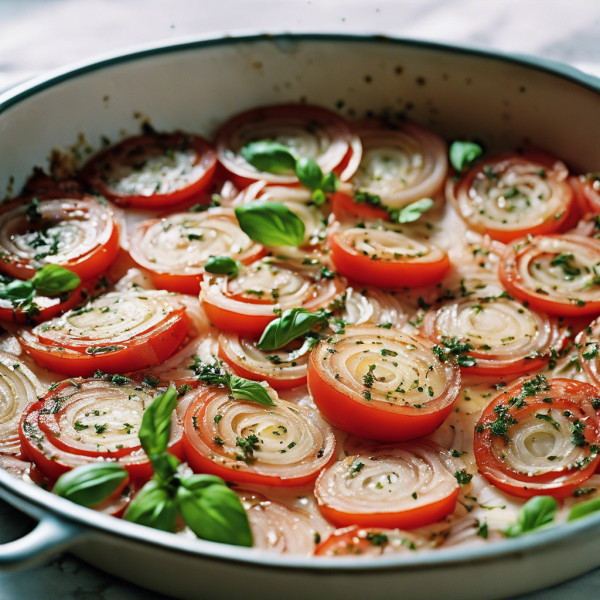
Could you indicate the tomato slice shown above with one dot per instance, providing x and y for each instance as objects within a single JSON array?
[
  {"x": 247, "y": 303},
  {"x": 417, "y": 486},
  {"x": 152, "y": 171},
  {"x": 319, "y": 133},
  {"x": 343, "y": 204},
  {"x": 387, "y": 259},
  {"x": 175, "y": 248},
  {"x": 87, "y": 420},
  {"x": 246, "y": 442},
  {"x": 512, "y": 195},
  {"x": 381, "y": 384},
  {"x": 281, "y": 369},
  {"x": 117, "y": 332},
  {"x": 499, "y": 334},
  {"x": 555, "y": 274},
  {"x": 354, "y": 540},
  {"x": 540, "y": 437},
  {"x": 588, "y": 187},
  {"x": 44, "y": 308},
  {"x": 75, "y": 231}
]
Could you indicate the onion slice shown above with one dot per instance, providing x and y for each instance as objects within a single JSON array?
[
  {"x": 115, "y": 332},
  {"x": 309, "y": 132},
  {"x": 245, "y": 442},
  {"x": 558, "y": 274},
  {"x": 400, "y": 165},
  {"x": 404, "y": 486},
  {"x": 381, "y": 383},
  {"x": 510, "y": 195},
  {"x": 18, "y": 387},
  {"x": 589, "y": 351},
  {"x": 175, "y": 248},
  {"x": 282, "y": 369},
  {"x": 74, "y": 231},
  {"x": 504, "y": 336},
  {"x": 540, "y": 437},
  {"x": 87, "y": 420}
]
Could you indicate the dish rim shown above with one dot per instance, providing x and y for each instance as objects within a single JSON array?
[{"x": 90, "y": 522}]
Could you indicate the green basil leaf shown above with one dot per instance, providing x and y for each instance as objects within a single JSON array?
[
  {"x": 292, "y": 324},
  {"x": 534, "y": 514},
  {"x": 584, "y": 509},
  {"x": 246, "y": 389},
  {"x": 331, "y": 183},
  {"x": 222, "y": 265},
  {"x": 309, "y": 173},
  {"x": 17, "y": 291},
  {"x": 91, "y": 484},
  {"x": 413, "y": 211},
  {"x": 268, "y": 156},
  {"x": 270, "y": 223},
  {"x": 155, "y": 429},
  {"x": 463, "y": 154},
  {"x": 53, "y": 279},
  {"x": 213, "y": 511},
  {"x": 153, "y": 506},
  {"x": 165, "y": 466}
]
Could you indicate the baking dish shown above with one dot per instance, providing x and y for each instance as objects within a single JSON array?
[{"x": 196, "y": 85}]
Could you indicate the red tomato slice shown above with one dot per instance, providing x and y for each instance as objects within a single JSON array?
[
  {"x": 152, "y": 171},
  {"x": 246, "y": 442},
  {"x": 588, "y": 189},
  {"x": 357, "y": 380},
  {"x": 417, "y": 487},
  {"x": 387, "y": 259},
  {"x": 540, "y": 437},
  {"x": 247, "y": 303},
  {"x": 75, "y": 231},
  {"x": 354, "y": 540},
  {"x": 44, "y": 308},
  {"x": 83, "y": 421},
  {"x": 115, "y": 333},
  {"x": 343, "y": 204},
  {"x": 274, "y": 366},
  {"x": 175, "y": 248},
  {"x": 501, "y": 335},
  {"x": 512, "y": 195},
  {"x": 554, "y": 274},
  {"x": 339, "y": 149}
]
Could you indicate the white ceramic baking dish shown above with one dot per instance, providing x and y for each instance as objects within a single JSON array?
[{"x": 504, "y": 100}]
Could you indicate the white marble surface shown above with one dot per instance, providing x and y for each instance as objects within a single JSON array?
[{"x": 39, "y": 35}]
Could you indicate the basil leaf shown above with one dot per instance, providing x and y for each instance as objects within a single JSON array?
[
  {"x": 91, "y": 484},
  {"x": 270, "y": 223},
  {"x": 331, "y": 183},
  {"x": 246, "y": 389},
  {"x": 534, "y": 514},
  {"x": 155, "y": 429},
  {"x": 213, "y": 511},
  {"x": 153, "y": 506},
  {"x": 413, "y": 211},
  {"x": 53, "y": 279},
  {"x": 309, "y": 173},
  {"x": 293, "y": 323},
  {"x": 222, "y": 265},
  {"x": 584, "y": 509},
  {"x": 165, "y": 467},
  {"x": 17, "y": 291},
  {"x": 268, "y": 156},
  {"x": 463, "y": 154}
]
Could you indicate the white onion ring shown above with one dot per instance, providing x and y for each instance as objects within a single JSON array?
[{"x": 400, "y": 166}]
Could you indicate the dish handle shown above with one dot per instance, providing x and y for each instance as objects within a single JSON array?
[{"x": 50, "y": 535}]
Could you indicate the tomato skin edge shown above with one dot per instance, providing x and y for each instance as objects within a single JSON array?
[{"x": 368, "y": 421}]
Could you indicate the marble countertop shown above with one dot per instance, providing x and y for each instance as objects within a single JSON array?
[{"x": 39, "y": 35}]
